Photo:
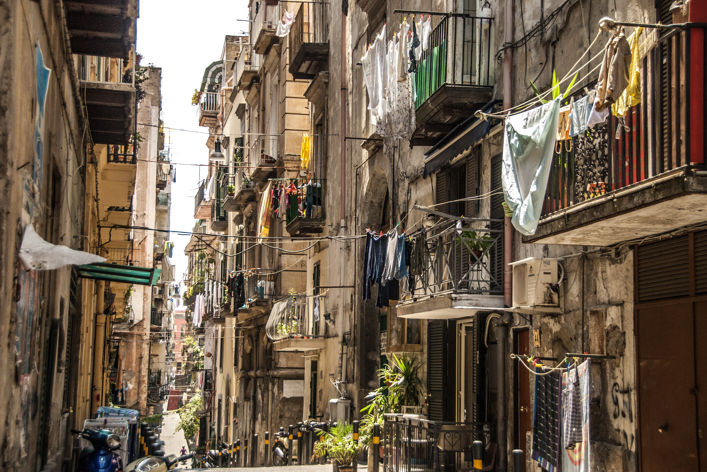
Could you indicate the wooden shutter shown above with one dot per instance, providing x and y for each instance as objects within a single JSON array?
[
  {"x": 472, "y": 185},
  {"x": 436, "y": 372},
  {"x": 497, "y": 213},
  {"x": 663, "y": 269},
  {"x": 441, "y": 190},
  {"x": 701, "y": 263}
]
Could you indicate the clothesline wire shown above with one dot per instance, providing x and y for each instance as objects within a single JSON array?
[
  {"x": 548, "y": 370},
  {"x": 538, "y": 99}
]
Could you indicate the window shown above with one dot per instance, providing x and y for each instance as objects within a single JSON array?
[{"x": 316, "y": 273}]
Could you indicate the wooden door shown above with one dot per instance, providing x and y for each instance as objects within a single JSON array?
[
  {"x": 701, "y": 371},
  {"x": 524, "y": 419},
  {"x": 667, "y": 385}
]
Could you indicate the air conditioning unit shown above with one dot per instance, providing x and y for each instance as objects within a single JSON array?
[
  {"x": 536, "y": 284},
  {"x": 156, "y": 292},
  {"x": 340, "y": 410}
]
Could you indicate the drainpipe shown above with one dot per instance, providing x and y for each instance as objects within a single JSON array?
[
  {"x": 99, "y": 342},
  {"x": 507, "y": 103},
  {"x": 501, "y": 330},
  {"x": 342, "y": 132}
]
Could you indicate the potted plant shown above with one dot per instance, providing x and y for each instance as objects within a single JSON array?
[
  {"x": 477, "y": 242},
  {"x": 231, "y": 190},
  {"x": 338, "y": 444}
]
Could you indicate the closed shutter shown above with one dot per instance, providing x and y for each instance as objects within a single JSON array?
[
  {"x": 472, "y": 185},
  {"x": 497, "y": 213},
  {"x": 441, "y": 190},
  {"x": 663, "y": 270},
  {"x": 701, "y": 263},
  {"x": 436, "y": 378}
]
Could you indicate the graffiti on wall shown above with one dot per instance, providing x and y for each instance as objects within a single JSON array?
[{"x": 623, "y": 415}]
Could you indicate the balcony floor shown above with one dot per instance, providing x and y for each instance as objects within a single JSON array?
[
  {"x": 449, "y": 306},
  {"x": 664, "y": 203},
  {"x": 302, "y": 225},
  {"x": 446, "y": 108},
  {"x": 111, "y": 111},
  {"x": 310, "y": 59},
  {"x": 300, "y": 344}
]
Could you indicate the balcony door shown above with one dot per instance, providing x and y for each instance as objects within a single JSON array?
[{"x": 467, "y": 373}]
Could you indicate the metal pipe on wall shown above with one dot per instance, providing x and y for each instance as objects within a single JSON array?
[
  {"x": 501, "y": 330},
  {"x": 342, "y": 133}
]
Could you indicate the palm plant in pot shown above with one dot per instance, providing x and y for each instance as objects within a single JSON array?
[{"x": 338, "y": 444}]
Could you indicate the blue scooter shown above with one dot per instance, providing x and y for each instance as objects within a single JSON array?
[{"x": 101, "y": 456}]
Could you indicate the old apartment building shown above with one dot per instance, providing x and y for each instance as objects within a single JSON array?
[{"x": 328, "y": 131}]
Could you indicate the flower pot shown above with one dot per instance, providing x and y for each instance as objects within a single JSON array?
[{"x": 345, "y": 468}]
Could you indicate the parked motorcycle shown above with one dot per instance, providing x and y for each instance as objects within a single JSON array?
[
  {"x": 156, "y": 463},
  {"x": 101, "y": 455},
  {"x": 281, "y": 450}
]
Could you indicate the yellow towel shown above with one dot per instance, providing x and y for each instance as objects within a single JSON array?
[{"x": 632, "y": 95}]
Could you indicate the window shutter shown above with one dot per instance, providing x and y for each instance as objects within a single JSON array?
[
  {"x": 472, "y": 185},
  {"x": 497, "y": 213},
  {"x": 701, "y": 263},
  {"x": 436, "y": 372},
  {"x": 441, "y": 190},
  {"x": 663, "y": 269}
]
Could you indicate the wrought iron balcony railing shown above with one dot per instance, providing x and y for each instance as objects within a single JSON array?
[
  {"x": 656, "y": 138},
  {"x": 311, "y": 193},
  {"x": 459, "y": 54},
  {"x": 122, "y": 154},
  {"x": 467, "y": 261},
  {"x": 415, "y": 444}
]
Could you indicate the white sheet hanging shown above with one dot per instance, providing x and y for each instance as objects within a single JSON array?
[
  {"x": 528, "y": 148},
  {"x": 38, "y": 254},
  {"x": 284, "y": 26}
]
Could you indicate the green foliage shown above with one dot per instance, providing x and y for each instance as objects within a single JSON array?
[
  {"x": 196, "y": 97},
  {"x": 555, "y": 88},
  {"x": 338, "y": 444},
  {"x": 188, "y": 420},
  {"x": 476, "y": 241}
]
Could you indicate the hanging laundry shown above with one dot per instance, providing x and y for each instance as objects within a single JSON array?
[
  {"x": 597, "y": 117},
  {"x": 563, "y": 126},
  {"x": 402, "y": 55},
  {"x": 414, "y": 46},
  {"x": 400, "y": 256},
  {"x": 383, "y": 289},
  {"x": 366, "y": 64},
  {"x": 367, "y": 267},
  {"x": 426, "y": 32},
  {"x": 614, "y": 75},
  {"x": 284, "y": 26},
  {"x": 306, "y": 150},
  {"x": 632, "y": 95},
  {"x": 546, "y": 421},
  {"x": 391, "y": 270},
  {"x": 264, "y": 219},
  {"x": 578, "y": 116},
  {"x": 577, "y": 459},
  {"x": 417, "y": 259},
  {"x": 528, "y": 147},
  {"x": 571, "y": 409}
]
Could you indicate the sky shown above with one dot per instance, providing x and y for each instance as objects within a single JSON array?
[{"x": 172, "y": 35}]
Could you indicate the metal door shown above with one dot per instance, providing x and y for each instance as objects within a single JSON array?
[
  {"x": 524, "y": 419},
  {"x": 667, "y": 400}
]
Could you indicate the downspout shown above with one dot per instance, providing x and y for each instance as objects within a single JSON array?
[
  {"x": 501, "y": 324},
  {"x": 342, "y": 132},
  {"x": 501, "y": 330}
]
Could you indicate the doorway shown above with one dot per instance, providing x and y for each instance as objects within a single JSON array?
[
  {"x": 670, "y": 336},
  {"x": 523, "y": 417}
]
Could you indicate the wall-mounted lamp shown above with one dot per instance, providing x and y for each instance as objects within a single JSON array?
[{"x": 216, "y": 155}]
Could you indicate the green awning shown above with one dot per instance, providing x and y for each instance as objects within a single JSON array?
[{"x": 120, "y": 273}]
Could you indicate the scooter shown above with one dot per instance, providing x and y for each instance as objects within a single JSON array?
[
  {"x": 101, "y": 455},
  {"x": 156, "y": 463},
  {"x": 281, "y": 450}
]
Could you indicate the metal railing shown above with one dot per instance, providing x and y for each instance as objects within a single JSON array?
[
  {"x": 163, "y": 200},
  {"x": 609, "y": 157},
  {"x": 297, "y": 316},
  {"x": 311, "y": 26},
  {"x": 247, "y": 62},
  {"x": 121, "y": 256},
  {"x": 161, "y": 174},
  {"x": 416, "y": 444},
  {"x": 470, "y": 262},
  {"x": 313, "y": 194},
  {"x": 122, "y": 154},
  {"x": 266, "y": 18},
  {"x": 209, "y": 102},
  {"x": 200, "y": 194},
  {"x": 156, "y": 317},
  {"x": 459, "y": 53}
]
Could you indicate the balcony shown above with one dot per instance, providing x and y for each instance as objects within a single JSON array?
[
  {"x": 219, "y": 217},
  {"x": 229, "y": 193},
  {"x": 163, "y": 201},
  {"x": 463, "y": 273},
  {"x": 155, "y": 319},
  {"x": 164, "y": 171},
  {"x": 245, "y": 190},
  {"x": 202, "y": 208},
  {"x": 412, "y": 443},
  {"x": 263, "y": 28},
  {"x": 309, "y": 40},
  {"x": 652, "y": 179},
  {"x": 295, "y": 326},
  {"x": 455, "y": 75},
  {"x": 265, "y": 168},
  {"x": 122, "y": 154},
  {"x": 247, "y": 67},
  {"x": 108, "y": 88},
  {"x": 209, "y": 107},
  {"x": 102, "y": 27},
  {"x": 310, "y": 219}
]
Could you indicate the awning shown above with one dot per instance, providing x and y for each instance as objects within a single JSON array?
[
  {"x": 120, "y": 273},
  {"x": 459, "y": 140}
]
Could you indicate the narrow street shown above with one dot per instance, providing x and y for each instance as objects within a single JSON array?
[{"x": 173, "y": 442}]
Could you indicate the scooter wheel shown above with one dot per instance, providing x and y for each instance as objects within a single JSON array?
[{"x": 278, "y": 461}]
